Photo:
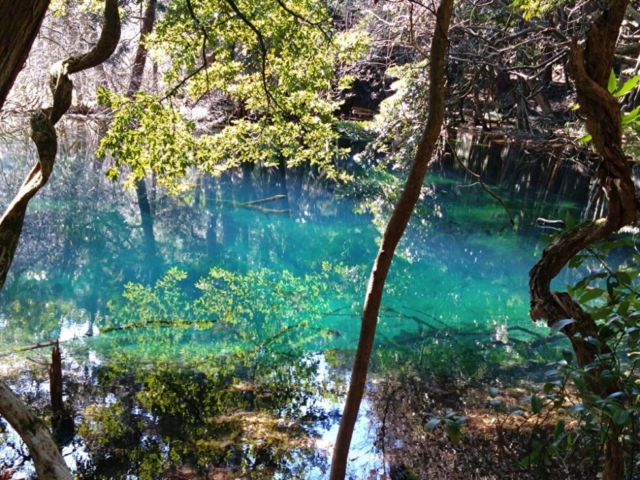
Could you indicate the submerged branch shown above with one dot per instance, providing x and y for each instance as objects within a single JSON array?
[{"x": 484, "y": 186}]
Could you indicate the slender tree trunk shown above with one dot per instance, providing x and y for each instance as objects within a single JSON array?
[
  {"x": 140, "y": 60},
  {"x": 18, "y": 37},
  {"x": 590, "y": 66},
  {"x": 137, "y": 73},
  {"x": 392, "y": 235}
]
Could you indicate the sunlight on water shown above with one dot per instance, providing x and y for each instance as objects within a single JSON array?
[{"x": 284, "y": 317}]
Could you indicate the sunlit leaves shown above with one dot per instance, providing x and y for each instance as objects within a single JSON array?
[
  {"x": 241, "y": 313},
  {"x": 147, "y": 135},
  {"x": 534, "y": 8},
  {"x": 273, "y": 71}
]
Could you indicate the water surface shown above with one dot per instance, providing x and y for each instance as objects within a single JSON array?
[{"x": 227, "y": 343}]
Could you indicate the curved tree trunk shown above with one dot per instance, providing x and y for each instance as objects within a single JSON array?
[
  {"x": 47, "y": 460},
  {"x": 590, "y": 65},
  {"x": 392, "y": 235}
]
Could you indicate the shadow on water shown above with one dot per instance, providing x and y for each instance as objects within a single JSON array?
[{"x": 231, "y": 355}]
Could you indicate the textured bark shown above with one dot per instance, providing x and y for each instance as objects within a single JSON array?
[
  {"x": 392, "y": 235},
  {"x": 19, "y": 25},
  {"x": 590, "y": 65},
  {"x": 47, "y": 460},
  {"x": 141, "y": 54},
  {"x": 44, "y": 135},
  {"x": 43, "y": 450},
  {"x": 55, "y": 381}
]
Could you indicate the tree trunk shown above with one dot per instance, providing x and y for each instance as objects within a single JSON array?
[
  {"x": 392, "y": 235},
  {"x": 19, "y": 25},
  {"x": 47, "y": 460},
  {"x": 137, "y": 73},
  {"x": 590, "y": 66}
]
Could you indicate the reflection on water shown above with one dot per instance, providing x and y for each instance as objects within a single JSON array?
[{"x": 207, "y": 359}]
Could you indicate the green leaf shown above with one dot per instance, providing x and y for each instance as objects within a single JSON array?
[
  {"x": 585, "y": 138},
  {"x": 432, "y": 424},
  {"x": 536, "y": 403},
  {"x": 627, "y": 86},
  {"x": 627, "y": 118},
  {"x": 454, "y": 432},
  {"x": 591, "y": 294},
  {"x": 560, "y": 324},
  {"x": 577, "y": 408},
  {"x": 621, "y": 416},
  {"x": 606, "y": 377},
  {"x": 611, "y": 86}
]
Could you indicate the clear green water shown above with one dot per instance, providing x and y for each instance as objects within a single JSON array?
[{"x": 458, "y": 283}]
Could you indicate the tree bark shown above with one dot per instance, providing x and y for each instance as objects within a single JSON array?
[
  {"x": 14, "y": 37},
  {"x": 47, "y": 460},
  {"x": 44, "y": 135},
  {"x": 392, "y": 235},
  {"x": 19, "y": 25},
  {"x": 137, "y": 72},
  {"x": 590, "y": 65}
]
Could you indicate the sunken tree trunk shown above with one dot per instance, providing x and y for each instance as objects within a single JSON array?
[
  {"x": 590, "y": 65},
  {"x": 392, "y": 235},
  {"x": 61, "y": 419},
  {"x": 18, "y": 37}
]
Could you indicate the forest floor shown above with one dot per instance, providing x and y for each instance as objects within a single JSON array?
[{"x": 493, "y": 443}]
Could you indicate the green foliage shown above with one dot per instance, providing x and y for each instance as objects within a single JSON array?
[
  {"x": 215, "y": 412},
  {"x": 241, "y": 314},
  {"x": 535, "y": 8},
  {"x": 452, "y": 424},
  {"x": 147, "y": 135},
  {"x": 398, "y": 126},
  {"x": 273, "y": 71},
  {"x": 230, "y": 370},
  {"x": 611, "y": 296}
]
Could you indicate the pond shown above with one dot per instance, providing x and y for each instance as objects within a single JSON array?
[{"x": 222, "y": 342}]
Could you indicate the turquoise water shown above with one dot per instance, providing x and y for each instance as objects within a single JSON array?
[{"x": 249, "y": 311}]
